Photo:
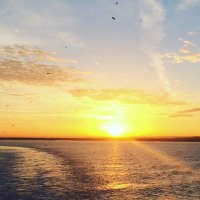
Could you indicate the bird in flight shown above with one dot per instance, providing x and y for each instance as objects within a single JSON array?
[
  {"x": 48, "y": 73},
  {"x": 113, "y": 18},
  {"x": 116, "y": 2}
]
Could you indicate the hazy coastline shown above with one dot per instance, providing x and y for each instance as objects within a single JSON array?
[{"x": 151, "y": 139}]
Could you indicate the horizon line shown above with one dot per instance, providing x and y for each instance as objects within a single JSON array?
[{"x": 162, "y": 139}]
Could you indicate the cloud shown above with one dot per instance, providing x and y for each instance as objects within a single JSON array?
[
  {"x": 187, "y": 43},
  {"x": 152, "y": 15},
  {"x": 31, "y": 65},
  {"x": 191, "y": 33},
  {"x": 185, "y": 4},
  {"x": 189, "y": 50},
  {"x": 181, "y": 115},
  {"x": 131, "y": 96},
  {"x": 190, "y": 110},
  {"x": 18, "y": 94},
  {"x": 186, "y": 113},
  {"x": 17, "y": 31},
  {"x": 193, "y": 58},
  {"x": 184, "y": 51},
  {"x": 32, "y": 53}
]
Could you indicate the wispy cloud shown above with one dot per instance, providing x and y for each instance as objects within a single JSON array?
[
  {"x": 32, "y": 53},
  {"x": 186, "y": 46},
  {"x": 31, "y": 65},
  {"x": 181, "y": 115},
  {"x": 186, "y": 113},
  {"x": 185, "y": 4},
  {"x": 191, "y": 110},
  {"x": 152, "y": 15},
  {"x": 19, "y": 94},
  {"x": 130, "y": 96},
  {"x": 187, "y": 43},
  {"x": 191, "y": 57},
  {"x": 191, "y": 33},
  {"x": 188, "y": 52}
]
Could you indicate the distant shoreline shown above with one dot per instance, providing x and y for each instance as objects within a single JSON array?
[{"x": 147, "y": 139}]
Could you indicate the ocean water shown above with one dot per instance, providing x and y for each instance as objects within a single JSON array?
[{"x": 54, "y": 170}]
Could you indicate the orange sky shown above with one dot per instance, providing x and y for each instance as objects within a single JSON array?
[{"x": 44, "y": 111}]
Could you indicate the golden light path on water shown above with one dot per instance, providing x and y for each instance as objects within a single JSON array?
[
  {"x": 120, "y": 126},
  {"x": 127, "y": 169},
  {"x": 165, "y": 158},
  {"x": 120, "y": 173}
]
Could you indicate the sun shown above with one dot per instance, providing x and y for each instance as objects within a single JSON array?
[{"x": 116, "y": 130}]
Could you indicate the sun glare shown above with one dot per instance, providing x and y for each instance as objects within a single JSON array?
[{"x": 115, "y": 130}]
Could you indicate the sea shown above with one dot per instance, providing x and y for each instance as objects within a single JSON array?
[{"x": 61, "y": 169}]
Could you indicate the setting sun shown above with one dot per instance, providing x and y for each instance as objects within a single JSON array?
[{"x": 115, "y": 130}]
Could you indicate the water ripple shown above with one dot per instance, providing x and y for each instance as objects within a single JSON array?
[{"x": 99, "y": 170}]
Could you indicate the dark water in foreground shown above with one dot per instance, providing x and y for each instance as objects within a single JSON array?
[{"x": 34, "y": 170}]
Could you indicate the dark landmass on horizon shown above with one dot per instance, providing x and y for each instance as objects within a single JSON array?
[{"x": 150, "y": 139}]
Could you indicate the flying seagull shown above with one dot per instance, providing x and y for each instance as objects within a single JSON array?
[{"x": 113, "y": 18}]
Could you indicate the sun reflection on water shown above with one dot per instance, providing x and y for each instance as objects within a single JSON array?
[{"x": 100, "y": 170}]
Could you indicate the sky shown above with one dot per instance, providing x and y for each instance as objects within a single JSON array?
[{"x": 99, "y": 68}]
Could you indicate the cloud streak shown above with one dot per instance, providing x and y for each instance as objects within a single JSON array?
[
  {"x": 185, "y": 4},
  {"x": 130, "y": 96},
  {"x": 152, "y": 15},
  {"x": 31, "y": 53},
  {"x": 191, "y": 57},
  {"x": 186, "y": 113},
  {"x": 36, "y": 67},
  {"x": 187, "y": 53}
]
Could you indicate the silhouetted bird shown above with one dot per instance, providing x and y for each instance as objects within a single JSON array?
[
  {"x": 113, "y": 18},
  {"x": 48, "y": 73},
  {"x": 116, "y": 3}
]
